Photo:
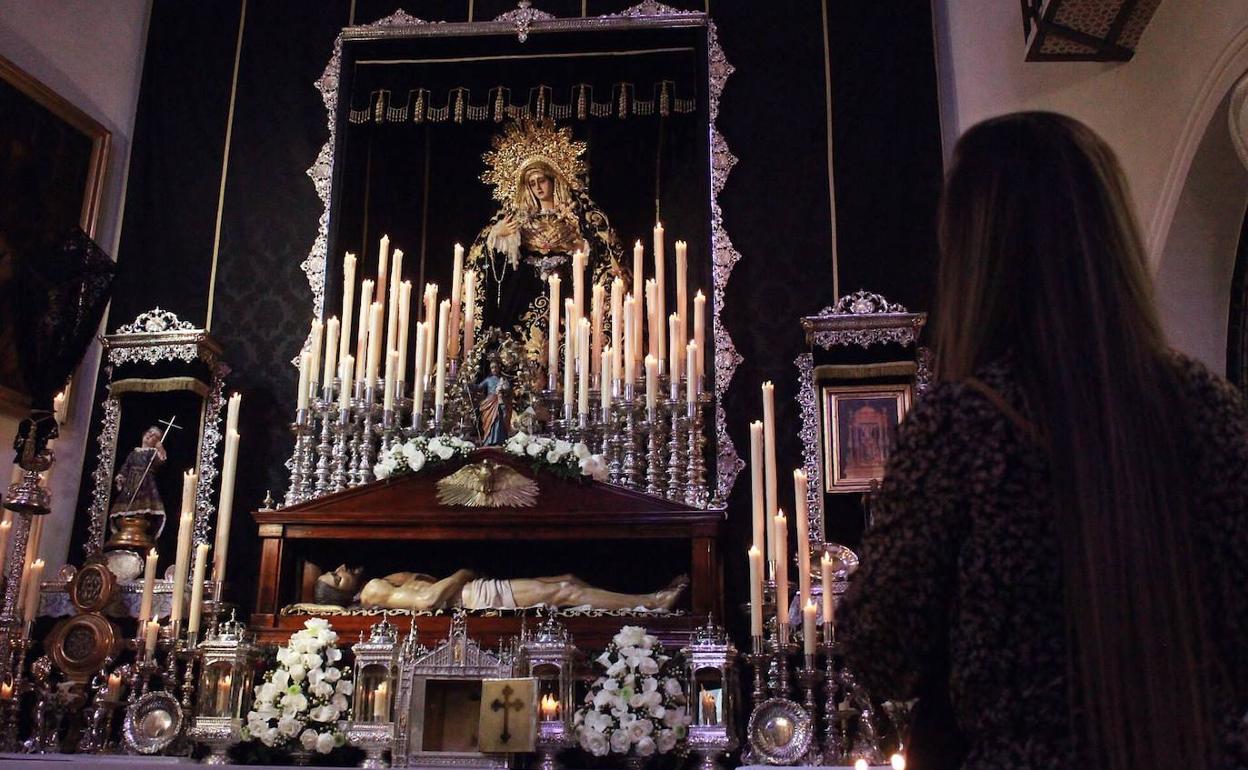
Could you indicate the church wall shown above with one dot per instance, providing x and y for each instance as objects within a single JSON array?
[
  {"x": 1153, "y": 110},
  {"x": 92, "y": 55},
  {"x": 777, "y": 204}
]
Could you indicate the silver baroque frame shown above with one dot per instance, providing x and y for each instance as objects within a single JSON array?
[
  {"x": 523, "y": 22},
  {"x": 861, "y": 319},
  {"x": 154, "y": 336},
  {"x": 458, "y": 657}
]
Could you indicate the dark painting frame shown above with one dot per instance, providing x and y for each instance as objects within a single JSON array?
[{"x": 52, "y": 167}]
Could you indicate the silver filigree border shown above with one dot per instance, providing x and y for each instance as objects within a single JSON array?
[
  {"x": 157, "y": 335},
  {"x": 860, "y": 319},
  {"x": 724, "y": 255}
]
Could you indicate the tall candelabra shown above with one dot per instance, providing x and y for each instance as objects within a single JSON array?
[{"x": 659, "y": 449}]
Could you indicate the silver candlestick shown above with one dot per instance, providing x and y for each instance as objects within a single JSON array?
[
  {"x": 695, "y": 476},
  {"x": 676, "y": 459},
  {"x": 298, "y": 463},
  {"x": 324, "y": 450},
  {"x": 341, "y": 459},
  {"x": 652, "y": 428},
  {"x": 367, "y": 450}
]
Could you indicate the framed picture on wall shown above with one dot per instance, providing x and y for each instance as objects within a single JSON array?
[
  {"x": 52, "y": 161},
  {"x": 859, "y": 432}
]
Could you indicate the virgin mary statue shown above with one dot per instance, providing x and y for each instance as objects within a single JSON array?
[{"x": 545, "y": 215}]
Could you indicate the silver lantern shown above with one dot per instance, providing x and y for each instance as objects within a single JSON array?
[
  {"x": 549, "y": 656},
  {"x": 711, "y": 660},
  {"x": 230, "y": 657},
  {"x": 376, "y": 674}
]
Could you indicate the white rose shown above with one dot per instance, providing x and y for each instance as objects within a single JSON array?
[
  {"x": 596, "y": 720},
  {"x": 325, "y": 743},
  {"x": 267, "y": 691},
  {"x": 534, "y": 449},
  {"x": 344, "y": 687},
  {"x": 311, "y": 660},
  {"x": 595, "y": 467},
  {"x": 284, "y": 655},
  {"x": 333, "y": 674},
  {"x": 645, "y": 747},
  {"x": 553, "y": 457},
  {"x": 657, "y": 711},
  {"x": 333, "y": 655},
  {"x": 611, "y": 685},
  {"x": 323, "y": 713},
  {"x": 269, "y": 736},
  {"x": 340, "y": 702},
  {"x": 604, "y": 659},
  {"x": 266, "y": 711},
  {"x": 315, "y": 675},
  {"x": 307, "y": 739},
  {"x": 653, "y": 699},
  {"x": 666, "y": 741},
  {"x": 602, "y": 698},
  {"x": 288, "y": 726},
  {"x": 616, "y": 668},
  {"x": 297, "y": 672},
  {"x": 383, "y": 469},
  {"x": 580, "y": 450},
  {"x": 649, "y": 684},
  {"x": 281, "y": 679},
  {"x": 322, "y": 689},
  {"x": 648, "y": 666},
  {"x": 648, "y": 641},
  {"x": 671, "y": 686},
  {"x": 443, "y": 451},
  {"x": 594, "y": 742},
  {"x": 296, "y": 701},
  {"x": 414, "y": 458},
  {"x": 562, "y": 447},
  {"x": 630, "y": 636},
  {"x": 619, "y": 741}
]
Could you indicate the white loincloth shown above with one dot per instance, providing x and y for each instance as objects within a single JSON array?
[{"x": 487, "y": 594}]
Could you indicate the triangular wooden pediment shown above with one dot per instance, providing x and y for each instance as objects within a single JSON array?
[{"x": 414, "y": 496}]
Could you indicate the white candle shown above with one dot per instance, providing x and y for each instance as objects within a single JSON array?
[
  {"x": 418, "y": 393},
  {"x": 638, "y": 293},
  {"x": 652, "y": 322},
  {"x": 231, "y": 412},
  {"x": 152, "y": 630},
  {"x": 305, "y": 365},
  {"x": 444, "y": 323},
  {"x": 604, "y": 389},
  {"x": 348, "y": 299},
  {"x": 699, "y": 330},
  {"x": 578, "y": 283},
  {"x": 682, "y": 288},
  {"x": 596, "y": 314},
  {"x": 673, "y": 333},
  {"x": 630, "y": 340},
  {"x": 392, "y": 301},
  {"x": 431, "y": 325},
  {"x": 457, "y": 279},
  {"x": 197, "y": 588},
  {"x": 392, "y": 365},
  {"x": 617, "y": 325},
  {"x": 361, "y": 345},
  {"x": 800, "y": 486},
  {"x": 808, "y": 627},
  {"x": 660, "y": 292},
  {"x": 383, "y": 256},
  {"x": 6, "y": 527},
  {"x": 345, "y": 370},
  {"x": 180, "y": 568},
  {"x": 552, "y": 328},
  {"x": 829, "y": 611},
  {"x": 405, "y": 319},
  {"x": 470, "y": 311},
  {"x": 314, "y": 348},
  {"x": 769, "y": 457},
  {"x": 759, "y": 507},
  {"x": 331, "y": 350},
  {"x": 583, "y": 353},
  {"x": 34, "y": 593},
  {"x": 149, "y": 587},
  {"x": 691, "y": 366},
  {"x": 225, "y": 506},
  {"x": 569, "y": 352},
  {"x": 375, "y": 317},
  {"x": 782, "y": 567},
  {"x": 756, "y": 591},
  {"x": 652, "y": 383}
]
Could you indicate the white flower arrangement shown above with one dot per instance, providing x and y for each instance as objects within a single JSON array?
[
  {"x": 638, "y": 706},
  {"x": 305, "y": 696},
  {"x": 418, "y": 453},
  {"x": 558, "y": 456}
]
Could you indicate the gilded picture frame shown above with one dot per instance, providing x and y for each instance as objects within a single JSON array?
[
  {"x": 859, "y": 432},
  {"x": 53, "y": 157}
]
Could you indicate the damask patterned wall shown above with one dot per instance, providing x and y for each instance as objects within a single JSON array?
[{"x": 188, "y": 244}]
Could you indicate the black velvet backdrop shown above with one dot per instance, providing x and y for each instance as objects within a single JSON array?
[{"x": 886, "y": 156}]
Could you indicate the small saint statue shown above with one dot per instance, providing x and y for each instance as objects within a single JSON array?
[
  {"x": 494, "y": 406},
  {"x": 136, "y": 500},
  {"x": 467, "y": 589}
]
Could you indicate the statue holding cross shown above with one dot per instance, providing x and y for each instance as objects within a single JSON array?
[{"x": 136, "y": 499}]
